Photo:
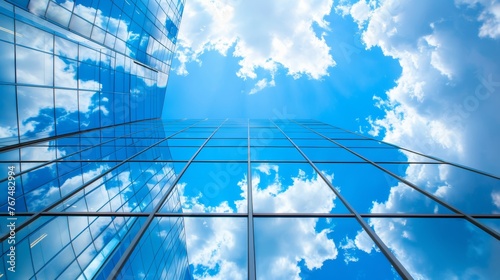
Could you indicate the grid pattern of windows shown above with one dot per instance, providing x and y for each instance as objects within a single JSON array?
[
  {"x": 70, "y": 66},
  {"x": 184, "y": 199}
]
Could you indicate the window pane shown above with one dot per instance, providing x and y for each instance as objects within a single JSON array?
[
  {"x": 312, "y": 248},
  {"x": 292, "y": 188},
  {"x": 161, "y": 253},
  {"x": 454, "y": 185},
  {"x": 33, "y": 37},
  {"x": 275, "y": 153},
  {"x": 8, "y": 116},
  {"x": 34, "y": 67},
  {"x": 212, "y": 187},
  {"x": 390, "y": 155},
  {"x": 58, "y": 14},
  {"x": 36, "y": 112},
  {"x": 225, "y": 241},
  {"x": 437, "y": 248},
  {"x": 223, "y": 153},
  {"x": 331, "y": 155},
  {"x": 7, "y": 71},
  {"x": 369, "y": 190}
]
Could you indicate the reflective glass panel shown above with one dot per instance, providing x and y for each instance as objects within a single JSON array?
[
  {"x": 7, "y": 71},
  {"x": 217, "y": 247},
  {"x": 331, "y": 155},
  {"x": 292, "y": 188},
  {"x": 275, "y": 153},
  {"x": 212, "y": 187},
  {"x": 390, "y": 155},
  {"x": 223, "y": 153},
  {"x": 161, "y": 252},
  {"x": 34, "y": 67},
  {"x": 435, "y": 248},
  {"x": 8, "y": 115},
  {"x": 317, "y": 248},
  {"x": 370, "y": 190},
  {"x": 454, "y": 185}
]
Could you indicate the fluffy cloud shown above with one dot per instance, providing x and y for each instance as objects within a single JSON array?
[
  {"x": 448, "y": 92},
  {"x": 275, "y": 197},
  {"x": 217, "y": 243},
  {"x": 281, "y": 36},
  {"x": 489, "y": 17},
  {"x": 217, "y": 247}
]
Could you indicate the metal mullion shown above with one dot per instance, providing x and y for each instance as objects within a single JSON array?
[
  {"x": 263, "y": 214},
  {"x": 48, "y": 208},
  {"x": 60, "y": 159},
  {"x": 385, "y": 250},
  {"x": 380, "y": 162},
  {"x": 426, "y": 193},
  {"x": 210, "y": 160},
  {"x": 250, "y": 231},
  {"x": 119, "y": 265}
]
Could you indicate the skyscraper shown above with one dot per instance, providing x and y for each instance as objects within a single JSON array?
[
  {"x": 69, "y": 70},
  {"x": 70, "y": 66},
  {"x": 97, "y": 187}
]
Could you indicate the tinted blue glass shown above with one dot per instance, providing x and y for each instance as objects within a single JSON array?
[
  {"x": 223, "y": 153},
  {"x": 454, "y": 185},
  {"x": 8, "y": 115},
  {"x": 317, "y": 249},
  {"x": 435, "y": 248},
  {"x": 161, "y": 253},
  {"x": 275, "y": 153},
  {"x": 292, "y": 188},
  {"x": 213, "y": 187},
  {"x": 370, "y": 190},
  {"x": 225, "y": 241}
]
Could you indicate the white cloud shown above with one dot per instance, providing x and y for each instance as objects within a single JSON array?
[
  {"x": 276, "y": 197},
  {"x": 348, "y": 246},
  {"x": 314, "y": 248},
  {"x": 364, "y": 242},
  {"x": 281, "y": 36},
  {"x": 222, "y": 242},
  {"x": 7, "y": 131},
  {"x": 40, "y": 153},
  {"x": 495, "y": 196},
  {"x": 217, "y": 243},
  {"x": 490, "y": 17},
  {"x": 266, "y": 168},
  {"x": 447, "y": 93},
  {"x": 261, "y": 84},
  {"x": 360, "y": 12},
  {"x": 278, "y": 254}
]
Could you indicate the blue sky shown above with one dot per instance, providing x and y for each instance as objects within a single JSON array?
[{"x": 213, "y": 89}]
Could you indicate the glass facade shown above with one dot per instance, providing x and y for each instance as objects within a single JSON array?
[
  {"x": 243, "y": 199},
  {"x": 71, "y": 66}
]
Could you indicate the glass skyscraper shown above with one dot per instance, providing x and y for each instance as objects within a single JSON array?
[
  {"x": 70, "y": 66},
  {"x": 96, "y": 186}
]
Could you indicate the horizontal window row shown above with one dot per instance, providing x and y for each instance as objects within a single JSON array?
[{"x": 89, "y": 247}]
